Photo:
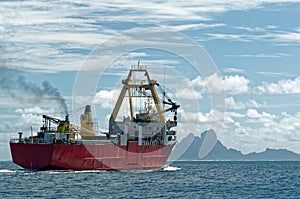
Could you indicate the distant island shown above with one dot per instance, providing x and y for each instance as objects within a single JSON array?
[{"x": 222, "y": 153}]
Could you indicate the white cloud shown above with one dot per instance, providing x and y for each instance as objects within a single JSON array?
[
  {"x": 200, "y": 117},
  {"x": 213, "y": 84},
  {"x": 38, "y": 32},
  {"x": 260, "y": 55},
  {"x": 35, "y": 110},
  {"x": 253, "y": 113},
  {"x": 284, "y": 36},
  {"x": 236, "y": 84},
  {"x": 231, "y": 103},
  {"x": 189, "y": 93},
  {"x": 281, "y": 87},
  {"x": 234, "y": 114},
  {"x": 198, "y": 82},
  {"x": 261, "y": 130},
  {"x": 271, "y": 27},
  {"x": 196, "y": 121},
  {"x": 191, "y": 89},
  {"x": 195, "y": 117},
  {"x": 194, "y": 26},
  {"x": 31, "y": 119},
  {"x": 233, "y": 37},
  {"x": 233, "y": 70},
  {"x": 233, "y": 84},
  {"x": 251, "y": 29},
  {"x": 269, "y": 33},
  {"x": 33, "y": 115},
  {"x": 275, "y": 74},
  {"x": 254, "y": 104},
  {"x": 107, "y": 99}
]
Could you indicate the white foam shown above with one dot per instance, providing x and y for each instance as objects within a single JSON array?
[
  {"x": 89, "y": 171},
  {"x": 6, "y": 171},
  {"x": 170, "y": 168},
  {"x": 71, "y": 171}
]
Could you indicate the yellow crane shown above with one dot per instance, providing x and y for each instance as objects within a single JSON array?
[{"x": 146, "y": 84}]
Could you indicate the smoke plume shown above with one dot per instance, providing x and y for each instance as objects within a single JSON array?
[{"x": 12, "y": 81}]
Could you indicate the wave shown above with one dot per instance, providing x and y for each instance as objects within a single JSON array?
[
  {"x": 170, "y": 168},
  {"x": 7, "y": 171}
]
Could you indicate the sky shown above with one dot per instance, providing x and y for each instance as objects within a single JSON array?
[{"x": 253, "y": 47}]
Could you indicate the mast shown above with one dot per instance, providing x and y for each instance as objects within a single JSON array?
[
  {"x": 129, "y": 84},
  {"x": 145, "y": 83}
]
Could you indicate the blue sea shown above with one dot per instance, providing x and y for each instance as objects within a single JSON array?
[{"x": 271, "y": 179}]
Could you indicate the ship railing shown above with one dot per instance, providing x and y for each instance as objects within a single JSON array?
[
  {"x": 16, "y": 140},
  {"x": 51, "y": 129},
  {"x": 139, "y": 67},
  {"x": 95, "y": 142},
  {"x": 28, "y": 140}
]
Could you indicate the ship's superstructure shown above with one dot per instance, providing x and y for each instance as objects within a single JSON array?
[
  {"x": 142, "y": 139},
  {"x": 147, "y": 125}
]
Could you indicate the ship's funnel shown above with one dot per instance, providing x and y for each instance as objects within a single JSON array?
[
  {"x": 67, "y": 118},
  {"x": 87, "y": 109},
  {"x": 86, "y": 122}
]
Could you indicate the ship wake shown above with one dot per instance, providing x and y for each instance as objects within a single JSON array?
[{"x": 170, "y": 168}]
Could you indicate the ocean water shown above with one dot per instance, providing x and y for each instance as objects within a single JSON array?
[{"x": 179, "y": 180}]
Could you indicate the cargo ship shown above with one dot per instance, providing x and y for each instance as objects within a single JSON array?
[{"x": 141, "y": 139}]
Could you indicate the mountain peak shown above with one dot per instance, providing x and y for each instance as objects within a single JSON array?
[
  {"x": 210, "y": 132},
  {"x": 208, "y": 147}
]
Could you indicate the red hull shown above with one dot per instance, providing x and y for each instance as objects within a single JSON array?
[{"x": 89, "y": 157}]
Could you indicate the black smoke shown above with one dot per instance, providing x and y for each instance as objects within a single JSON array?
[{"x": 13, "y": 82}]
